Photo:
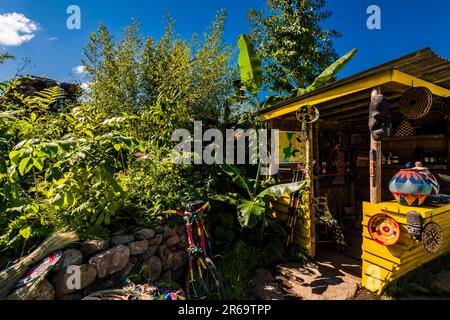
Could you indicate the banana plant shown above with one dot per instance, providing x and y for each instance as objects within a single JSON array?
[
  {"x": 250, "y": 65},
  {"x": 251, "y": 207},
  {"x": 326, "y": 75}
]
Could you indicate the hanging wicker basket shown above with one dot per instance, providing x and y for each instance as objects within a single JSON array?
[{"x": 416, "y": 103}]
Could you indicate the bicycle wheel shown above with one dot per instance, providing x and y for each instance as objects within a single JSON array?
[{"x": 203, "y": 280}]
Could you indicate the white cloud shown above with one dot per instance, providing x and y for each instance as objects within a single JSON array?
[
  {"x": 51, "y": 39},
  {"x": 16, "y": 28},
  {"x": 80, "y": 70}
]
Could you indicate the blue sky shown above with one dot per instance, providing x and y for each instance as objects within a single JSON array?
[{"x": 407, "y": 25}]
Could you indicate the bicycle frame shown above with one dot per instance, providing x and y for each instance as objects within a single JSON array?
[
  {"x": 194, "y": 221},
  {"x": 197, "y": 251}
]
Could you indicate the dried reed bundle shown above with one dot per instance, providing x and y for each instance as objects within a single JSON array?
[
  {"x": 27, "y": 291},
  {"x": 11, "y": 275}
]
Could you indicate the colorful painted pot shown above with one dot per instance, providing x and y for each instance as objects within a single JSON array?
[
  {"x": 431, "y": 179},
  {"x": 410, "y": 187}
]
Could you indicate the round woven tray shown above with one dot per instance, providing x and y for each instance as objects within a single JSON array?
[{"x": 416, "y": 103}]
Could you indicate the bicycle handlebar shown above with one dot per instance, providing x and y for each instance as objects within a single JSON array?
[{"x": 180, "y": 213}]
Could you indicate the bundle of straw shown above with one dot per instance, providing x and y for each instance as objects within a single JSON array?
[
  {"x": 28, "y": 290},
  {"x": 11, "y": 275}
]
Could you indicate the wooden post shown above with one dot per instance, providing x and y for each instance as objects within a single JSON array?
[
  {"x": 375, "y": 164},
  {"x": 310, "y": 172}
]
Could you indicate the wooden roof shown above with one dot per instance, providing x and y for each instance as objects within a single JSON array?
[{"x": 348, "y": 97}]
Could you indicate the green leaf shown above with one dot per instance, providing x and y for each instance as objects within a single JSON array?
[
  {"x": 331, "y": 71},
  {"x": 24, "y": 166},
  {"x": 282, "y": 189},
  {"x": 250, "y": 212},
  {"x": 15, "y": 155},
  {"x": 230, "y": 199},
  {"x": 58, "y": 200},
  {"x": 25, "y": 232},
  {"x": 250, "y": 65},
  {"x": 237, "y": 177},
  {"x": 38, "y": 163}
]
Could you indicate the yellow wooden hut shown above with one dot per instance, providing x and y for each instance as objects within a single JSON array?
[{"x": 364, "y": 192}]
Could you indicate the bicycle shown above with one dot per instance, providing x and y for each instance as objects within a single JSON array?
[{"x": 203, "y": 281}]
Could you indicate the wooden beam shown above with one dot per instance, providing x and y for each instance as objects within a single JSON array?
[
  {"x": 363, "y": 104},
  {"x": 354, "y": 87},
  {"x": 411, "y": 81},
  {"x": 375, "y": 164},
  {"x": 373, "y": 81}
]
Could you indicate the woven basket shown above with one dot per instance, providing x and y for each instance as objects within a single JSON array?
[
  {"x": 416, "y": 103},
  {"x": 405, "y": 129}
]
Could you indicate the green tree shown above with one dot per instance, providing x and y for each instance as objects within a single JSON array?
[
  {"x": 170, "y": 80},
  {"x": 294, "y": 47},
  {"x": 4, "y": 57}
]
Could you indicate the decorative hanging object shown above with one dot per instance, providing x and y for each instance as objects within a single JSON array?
[
  {"x": 307, "y": 114},
  {"x": 340, "y": 166},
  {"x": 414, "y": 223},
  {"x": 384, "y": 229},
  {"x": 410, "y": 188},
  {"x": 416, "y": 103},
  {"x": 432, "y": 237},
  {"x": 405, "y": 129},
  {"x": 42, "y": 267}
]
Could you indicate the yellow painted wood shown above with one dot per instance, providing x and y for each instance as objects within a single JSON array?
[
  {"x": 279, "y": 208},
  {"x": 390, "y": 76},
  {"x": 382, "y": 265}
]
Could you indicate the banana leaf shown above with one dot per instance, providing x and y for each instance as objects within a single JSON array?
[
  {"x": 281, "y": 189},
  {"x": 331, "y": 71},
  {"x": 250, "y": 65},
  {"x": 250, "y": 212},
  {"x": 237, "y": 177}
]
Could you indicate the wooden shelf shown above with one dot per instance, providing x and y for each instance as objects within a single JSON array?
[
  {"x": 430, "y": 167},
  {"x": 415, "y": 138}
]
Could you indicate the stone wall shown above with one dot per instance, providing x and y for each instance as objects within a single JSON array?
[{"x": 105, "y": 264}]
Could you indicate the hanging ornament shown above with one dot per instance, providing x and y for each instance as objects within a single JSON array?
[
  {"x": 416, "y": 103},
  {"x": 432, "y": 237},
  {"x": 384, "y": 229},
  {"x": 307, "y": 114}
]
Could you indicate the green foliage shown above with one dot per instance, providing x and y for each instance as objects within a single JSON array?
[
  {"x": 165, "y": 77},
  {"x": 251, "y": 207},
  {"x": 294, "y": 46},
  {"x": 250, "y": 65}
]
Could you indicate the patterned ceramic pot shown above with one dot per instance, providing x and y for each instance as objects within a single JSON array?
[
  {"x": 410, "y": 187},
  {"x": 431, "y": 179}
]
